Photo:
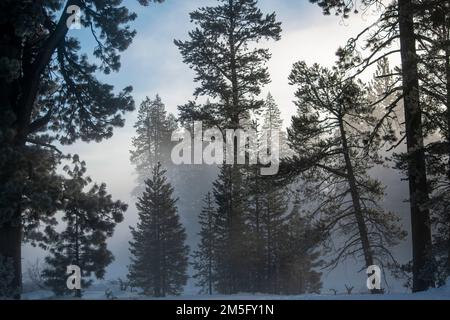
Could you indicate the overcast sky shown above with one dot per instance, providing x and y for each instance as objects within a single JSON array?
[{"x": 153, "y": 65}]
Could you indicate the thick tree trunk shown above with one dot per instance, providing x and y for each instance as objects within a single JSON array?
[
  {"x": 418, "y": 189},
  {"x": 10, "y": 248},
  {"x": 10, "y": 224},
  {"x": 17, "y": 96}
]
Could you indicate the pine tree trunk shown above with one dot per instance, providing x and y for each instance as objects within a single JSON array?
[
  {"x": 418, "y": 189},
  {"x": 362, "y": 228},
  {"x": 259, "y": 248},
  {"x": 10, "y": 230},
  {"x": 11, "y": 247}
]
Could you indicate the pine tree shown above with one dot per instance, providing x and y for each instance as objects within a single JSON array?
[
  {"x": 433, "y": 27},
  {"x": 205, "y": 256},
  {"x": 227, "y": 66},
  {"x": 300, "y": 254},
  {"x": 51, "y": 94},
  {"x": 90, "y": 218},
  {"x": 152, "y": 143},
  {"x": 397, "y": 24},
  {"x": 274, "y": 209},
  {"x": 267, "y": 213},
  {"x": 159, "y": 252},
  {"x": 329, "y": 134},
  {"x": 255, "y": 190},
  {"x": 231, "y": 231},
  {"x": 231, "y": 72},
  {"x": 271, "y": 113}
]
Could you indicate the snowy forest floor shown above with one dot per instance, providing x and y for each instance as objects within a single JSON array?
[{"x": 98, "y": 292}]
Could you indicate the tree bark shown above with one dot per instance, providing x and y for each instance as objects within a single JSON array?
[
  {"x": 10, "y": 229},
  {"x": 10, "y": 248},
  {"x": 356, "y": 199},
  {"x": 418, "y": 188}
]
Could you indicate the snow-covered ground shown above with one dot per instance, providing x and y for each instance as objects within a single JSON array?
[{"x": 98, "y": 292}]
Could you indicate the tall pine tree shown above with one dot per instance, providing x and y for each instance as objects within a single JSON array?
[
  {"x": 50, "y": 94},
  {"x": 300, "y": 254},
  {"x": 205, "y": 256},
  {"x": 152, "y": 143},
  {"x": 159, "y": 253},
  {"x": 396, "y": 32},
  {"x": 329, "y": 134},
  {"x": 230, "y": 71}
]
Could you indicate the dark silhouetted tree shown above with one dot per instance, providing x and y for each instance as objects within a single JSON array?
[
  {"x": 205, "y": 256},
  {"x": 90, "y": 218},
  {"x": 230, "y": 71},
  {"x": 159, "y": 253},
  {"x": 329, "y": 134},
  {"x": 300, "y": 254},
  {"x": 152, "y": 143},
  {"x": 50, "y": 93},
  {"x": 395, "y": 33}
]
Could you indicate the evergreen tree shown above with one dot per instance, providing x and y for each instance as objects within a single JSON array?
[
  {"x": 49, "y": 94},
  {"x": 227, "y": 66},
  {"x": 329, "y": 134},
  {"x": 152, "y": 143},
  {"x": 272, "y": 114},
  {"x": 90, "y": 218},
  {"x": 205, "y": 256},
  {"x": 397, "y": 25},
  {"x": 231, "y": 71},
  {"x": 274, "y": 209},
  {"x": 160, "y": 255},
  {"x": 432, "y": 24},
  {"x": 256, "y": 239},
  {"x": 299, "y": 254},
  {"x": 267, "y": 213},
  {"x": 232, "y": 248}
]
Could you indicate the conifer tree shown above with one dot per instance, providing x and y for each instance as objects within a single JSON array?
[
  {"x": 274, "y": 210},
  {"x": 50, "y": 94},
  {"x": 90, "y": 218},
  {"x": 300, "y": 254},
  {"x": 205, "y": 256},
  {"x": 227, "y": 66},
  {"x": 232, "y": 248},
  {"x": 267, "y": 219},
  {"x": 432, "y": 24},
  {"x": 271, "y": 113},
  {"x": 231, "y": 72},
  {"x": 159, "y": 253},
  {"x": 152, "y": 143},
  {"x": 329, "y": 134},
  {"x": 396, "y": 32}
]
